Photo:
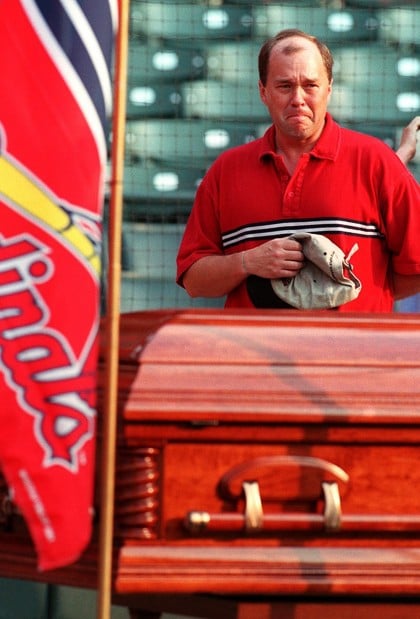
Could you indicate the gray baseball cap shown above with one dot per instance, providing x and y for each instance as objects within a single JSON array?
[{"x": 325, "y": 281}]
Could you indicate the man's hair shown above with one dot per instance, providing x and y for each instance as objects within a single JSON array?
[{"x": 265, "y": 51}]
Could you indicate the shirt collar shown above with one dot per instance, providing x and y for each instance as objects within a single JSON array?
[{"x": 326, "y": 147}]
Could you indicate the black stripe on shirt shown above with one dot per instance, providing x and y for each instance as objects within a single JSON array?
[{"x": 282, "y": 228}]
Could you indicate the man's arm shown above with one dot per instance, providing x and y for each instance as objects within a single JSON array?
[
  {"x": 406, "y": 285},
  {"x": 216, "y": 276},
  {"x": 408, "y": 144}
]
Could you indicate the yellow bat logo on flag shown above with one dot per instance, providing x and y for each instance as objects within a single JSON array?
[{"x": 21, "y": 190}]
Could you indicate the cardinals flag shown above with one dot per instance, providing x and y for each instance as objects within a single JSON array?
[{"x": 55, "y": 105}]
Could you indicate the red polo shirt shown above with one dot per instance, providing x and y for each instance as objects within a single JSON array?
[{"x": 351, "y": 188}]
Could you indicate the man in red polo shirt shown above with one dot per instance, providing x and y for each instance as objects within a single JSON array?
[{"x": 305, "y": 174}]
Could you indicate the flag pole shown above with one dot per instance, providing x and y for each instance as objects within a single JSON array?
[{"x": 109, "y": 422}]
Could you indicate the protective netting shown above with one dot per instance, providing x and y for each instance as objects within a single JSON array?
[{"x": 192, "y": 92}]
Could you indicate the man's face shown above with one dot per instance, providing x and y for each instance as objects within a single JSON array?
[{"x": 297, "y": 91}]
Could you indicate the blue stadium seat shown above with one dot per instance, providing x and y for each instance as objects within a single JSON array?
[
  {"x": 148, "y": 99},
  {"x": 226, "y": 100},
  {"x": 185, "y": 141},
  {"x": 154, "y": 62},
  {"x": 330, "y": 25},
  {"x": 400, "y": 25},
  {"x": 189, "y": 20}
]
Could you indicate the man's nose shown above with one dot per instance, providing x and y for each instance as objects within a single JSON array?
[{"x": 297, "y": 95}]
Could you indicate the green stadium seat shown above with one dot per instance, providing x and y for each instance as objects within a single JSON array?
[
  {"x": 148, "y": 99},
  {"x": 156, "y": 210},
  {"x": 165, "y": 182},
  {"x": 189, "y": 20},
  {"x": 378, "y": 66},
  {"x": 359, "y": 105},
  {"x": 143, "y": 293},
  {"x": 307, "y": 3},
  {"x": 152, "y": 62},
  {"x": 226, "y": 100},
  {"x": 379, "y": 3},
  {"x": 185, "y": 141},
  {"x": 151, "y": 248},
  {"x": 234, "y": 61},
  {"x": 400, "y": 25},
  {"x": 330, "y": 25}
]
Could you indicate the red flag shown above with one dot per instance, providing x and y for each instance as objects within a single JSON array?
[{"x": 54, "y": 107}]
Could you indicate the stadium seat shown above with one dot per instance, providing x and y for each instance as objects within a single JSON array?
[
  {"x": 218, "y": 99},
  {"x": 141, "y": 293},
  {"x": 151, "y": 248},
  {"x": 377, "y": 65},
  {"x": 148, "y": 99},
  {"x": 331, "y": 26},
  {"x": 234, "y": 61},
  {"x": 358, "y": 105},
  {"x": 169, "y": 182},
  {"x": 378, "y": 3},
  {"x": 400, "y": 25},
  {"x": 148, "y": 280},
  {"x": 189, "y": 20},
  {"x": 307, "y": 3},
  {"x": 148, "y": 62},
  {"x": 185, "y": 141}
]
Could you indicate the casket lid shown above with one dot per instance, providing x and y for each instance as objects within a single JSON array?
[{"x": 269, "y": 366}]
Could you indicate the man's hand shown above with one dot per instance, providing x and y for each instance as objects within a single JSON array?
[
  {"x": 408, "y": 143},
  {"x": 275, "y": 259},
  {"x": 217, "y": 275}
]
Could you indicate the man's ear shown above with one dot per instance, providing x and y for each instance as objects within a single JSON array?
[
  {"x": 330, "y": 89},
  {"x": 261, "y": 88}
]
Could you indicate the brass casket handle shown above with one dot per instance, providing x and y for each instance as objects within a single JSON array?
[{"x": 258, "y": 481}]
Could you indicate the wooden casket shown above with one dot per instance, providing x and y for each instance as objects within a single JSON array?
[{"x": 267, "y": 467}]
